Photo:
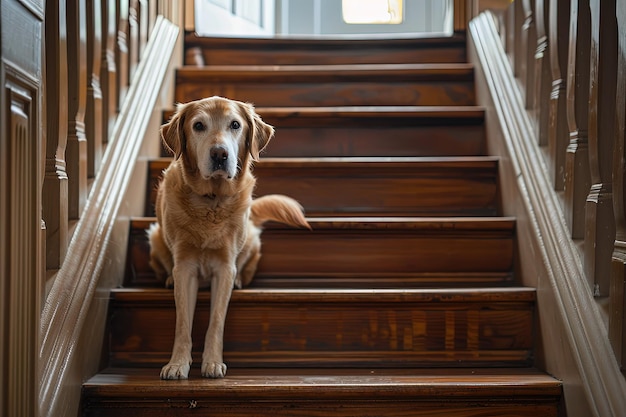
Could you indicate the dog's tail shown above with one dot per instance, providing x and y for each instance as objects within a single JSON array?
[{"x": 279, "y": 208}]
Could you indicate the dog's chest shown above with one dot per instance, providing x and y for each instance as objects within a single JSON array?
[{"x": 215, "y": 225}]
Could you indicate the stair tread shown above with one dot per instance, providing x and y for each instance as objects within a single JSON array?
[
  {"x": 394, "y": 112},
  {"x": 392, "y": 72},
  {"x": 438, "y": 224},
  {"x": 352, "y": 295},
  {"x": 341, "y": 42},
  {"x": 376, "y": 161},
  {"x": 277, "y": 383}
]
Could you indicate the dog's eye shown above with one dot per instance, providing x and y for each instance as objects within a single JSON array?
[
  {"x": 198, "y": 126},
  {"x": 235, "y": 125}
]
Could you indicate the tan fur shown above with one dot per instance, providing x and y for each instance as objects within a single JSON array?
[{"x": 208, "y": 226}]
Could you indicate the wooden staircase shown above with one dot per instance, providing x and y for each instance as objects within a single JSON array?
[{"x": 403, "y": 298}]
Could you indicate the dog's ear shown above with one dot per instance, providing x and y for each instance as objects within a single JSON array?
[
  {"x": 173, "y": 133},
  {"x": 259, "y": 132}
]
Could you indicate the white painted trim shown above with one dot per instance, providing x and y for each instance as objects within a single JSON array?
[
  {"x": 602, "y": 380},
  {"x": 70, "y": 297}
]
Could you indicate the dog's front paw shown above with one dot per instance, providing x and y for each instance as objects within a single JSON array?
[
  {"x": 213, "y": 370},
  {"x": 169, "y": 282},
  {"x": 175, "y": 371}
]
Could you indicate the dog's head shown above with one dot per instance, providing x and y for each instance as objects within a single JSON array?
[{"x": 216, "y": 136}]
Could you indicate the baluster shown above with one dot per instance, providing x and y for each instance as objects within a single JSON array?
[
  {"x": 144, "y": 17},
  {"x": 617, "y": 295},
  {"x": 520, "y": 17},
  {"x": 108, "y": 71},
  {"x": 543, "y": 78},
  {"x": 577, "y": 178},
  {"x": 558, "y": 135},
  {"x": 94, "y": 112},
  {"x": 55, "y": 187},
  {"x": 529, "y": 45},
  {"x": 121, "y": 50},
  {"x": 76, "y": 151},
  {"x": 599, "y": 219},
  {"x": 510, "y": 33},
  {"x": 133, "y": 37}
]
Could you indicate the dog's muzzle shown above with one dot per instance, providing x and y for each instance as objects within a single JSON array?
[{"x": 219, "y": 162}]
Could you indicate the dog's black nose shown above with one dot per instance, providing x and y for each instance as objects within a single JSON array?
[{"x": 219, "y": 154}]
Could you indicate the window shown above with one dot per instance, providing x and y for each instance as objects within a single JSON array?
[{"x": 372, "y": 11}]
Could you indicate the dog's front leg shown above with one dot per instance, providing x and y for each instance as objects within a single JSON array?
[
  {"x": 222, "y": 282},
  {"x": 185, "y": 294}
]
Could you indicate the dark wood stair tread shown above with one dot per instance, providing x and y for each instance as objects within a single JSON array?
[
  {"x": 308, "y": 50},
  {"x": 332, "y": 73},
  {"x": 313, "y": 392},
  {"x": 373, "y": 186},
  {"x": 379, "y": 383}
]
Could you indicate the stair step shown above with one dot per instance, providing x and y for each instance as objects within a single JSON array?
[
  {"x": 364, "y": 248},
  {"x": 374, "y": 131},
  {"x": 331, "y": 85},
  {"x": 335, "y": 328},
  {"x": 407, "y": 186},
  {"x": 343, "y": 392},
  {"x": 307, "y": 51}
]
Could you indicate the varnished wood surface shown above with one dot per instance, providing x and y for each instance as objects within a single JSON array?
[
  {"x": 345, "y": 392},
  {"x": 337, "y": 328},
  {"x": 365, "y": 247},
  {"x": 399, "y": 186},
  {"x": 446, "y": 382},
  {"x": 410, "y": 131},
  {"x": 306, "y": 51},
  {"x": 338, "y": 85}
]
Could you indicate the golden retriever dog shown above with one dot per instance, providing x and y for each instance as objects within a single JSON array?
[{"x": 208, "y": 225}]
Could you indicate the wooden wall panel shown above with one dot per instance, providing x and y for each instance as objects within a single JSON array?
[{"x": 21, "y": 175}]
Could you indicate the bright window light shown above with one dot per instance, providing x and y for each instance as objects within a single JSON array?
[{"x": 372, "y": 11}]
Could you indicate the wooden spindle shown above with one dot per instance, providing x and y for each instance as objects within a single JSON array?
[
  {"x": 121, "y": 50},
  {"x": 529, "y": 46},
  {"x": 94, "y": 112},
  {"x": 133, "y": 37},
  {"x": 543, "y": 76},
  {"x": 599, "y": 219},
  {"x": 144, "y": 25},
  {"x": 108, "y": 71},
  {"x": 576, "y": 175},
  {"x": 76, "y": 150},
  {"x": 55, "y": 187},
  {"x": 617, "y": 294}
]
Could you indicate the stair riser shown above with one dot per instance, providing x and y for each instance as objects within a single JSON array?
[
  {"x": 358, "y": 253},
  {"x": 310, "y": 51},
  {"x": 448, "y": 133},
  {"x": 376, "y": 189},
  {"x": 412, "y": 93},
  {"x": 190, "y": 406},
  {"x": 270, "y": 333},
  {"x": 464, "y": 140}
]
